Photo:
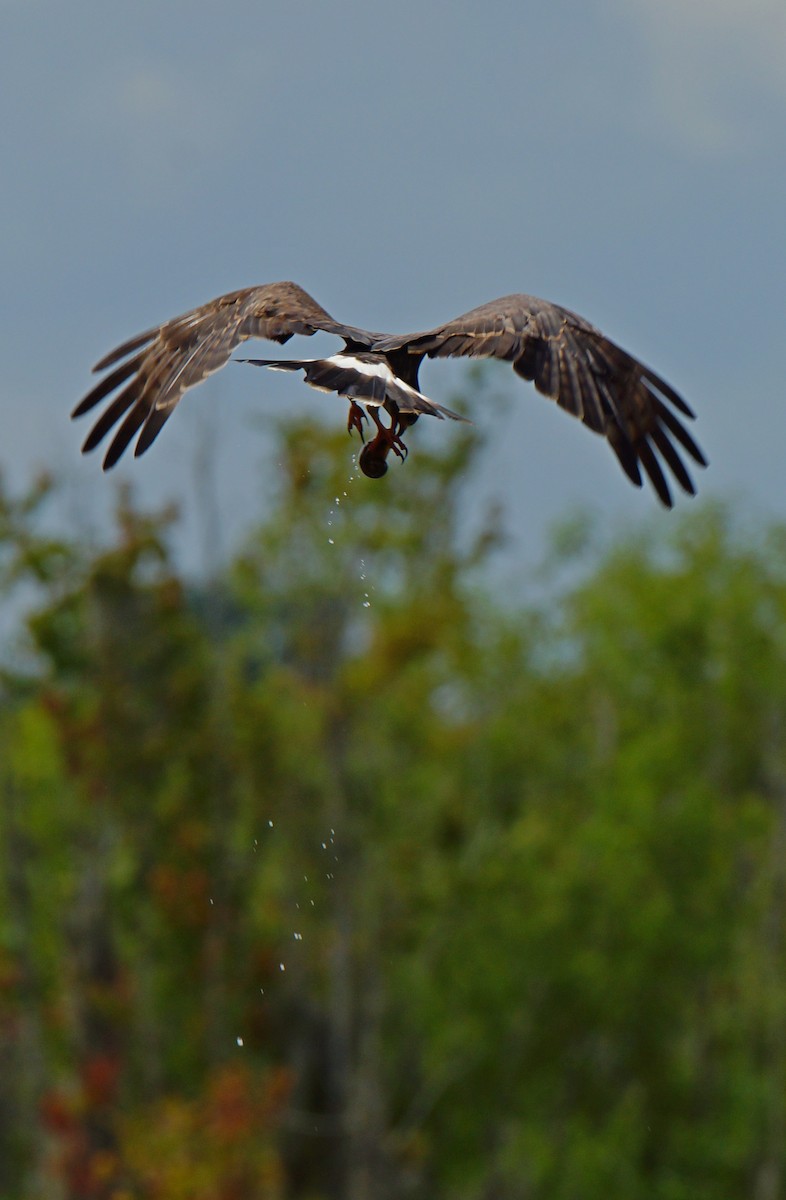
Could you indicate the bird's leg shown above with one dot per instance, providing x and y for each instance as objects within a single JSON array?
[
  {"x": 390, "y": 437},
  {"x": 373, "y": 455},
  {"x": 355, "y": 419}
]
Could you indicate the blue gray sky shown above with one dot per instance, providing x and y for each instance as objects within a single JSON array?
[{"x": 403, "y": 162}]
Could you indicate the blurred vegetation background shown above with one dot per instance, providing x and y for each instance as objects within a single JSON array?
[{"x": 343, "y": 876}]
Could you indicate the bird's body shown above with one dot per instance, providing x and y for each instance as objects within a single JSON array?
[{"x": 568, "y": 360}]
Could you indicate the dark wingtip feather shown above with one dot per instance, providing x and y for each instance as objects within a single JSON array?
[
  {"x": 128, "y": 347},
  {"x": 124, "y": 436},
  {"x": 668, "y": 391},
  {"x": 151, "y": 429},
  {"x": 107, "y": 385},
  {"x": 678, "y": 430},
  {"x": 654, "y": 473},
  {"x": 625, "y": 454},
  {"x": 110, "y": 416},
  {"x": 674, "y": 461}
]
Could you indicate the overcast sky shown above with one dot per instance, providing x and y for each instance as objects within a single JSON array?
[{"x": 403, "y": 162}]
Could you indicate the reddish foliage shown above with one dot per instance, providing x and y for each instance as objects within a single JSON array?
[
  {"x": 100, "y": 1077},
  {"x": 182, "y": 892},
  {"x": 57, "y": 1112}
]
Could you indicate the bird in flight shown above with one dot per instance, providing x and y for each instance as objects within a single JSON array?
[{"x": 566, "y": 357}]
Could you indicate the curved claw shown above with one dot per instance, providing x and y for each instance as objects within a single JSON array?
[{"x": 355, "y": 419}]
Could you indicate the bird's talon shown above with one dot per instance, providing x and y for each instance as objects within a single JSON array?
[{"x": 355, "y": 420}]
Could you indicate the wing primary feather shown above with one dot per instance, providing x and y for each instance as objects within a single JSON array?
[
  {"x": 668, "y": 391},
  {"x": 123, "y": 436},
  {"x": 128, "y": 347},
  {"x": 653, "y": 469},
  {"x": 678, "y": 430},
  {"x": 593, "y": 406},
  {"x": 107, "y": 385},
  {"x": 110, "y": 415},
  {"x": 151, "y": 429},
  {"x": 625, "y": 453},
  {"x": 671, "y": 456}
]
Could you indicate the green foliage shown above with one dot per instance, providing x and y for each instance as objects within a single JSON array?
[{"x": 523, "y": 866}]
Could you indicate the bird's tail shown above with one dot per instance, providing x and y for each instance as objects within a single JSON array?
[{"x": 367, "y": 380}]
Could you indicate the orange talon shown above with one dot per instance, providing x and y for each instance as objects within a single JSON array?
[
  {"x": 372, "y": 456},
  {"x": 355, "y": 419}
]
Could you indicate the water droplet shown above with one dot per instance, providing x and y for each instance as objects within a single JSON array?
[{"x": 331, "y": 542}]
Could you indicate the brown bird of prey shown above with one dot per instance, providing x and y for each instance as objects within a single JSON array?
[{"x": 567, "y": 359}]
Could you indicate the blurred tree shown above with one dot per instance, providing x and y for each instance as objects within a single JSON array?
[
  {"x": 341, "y": 875},
  {"x": 609, "y": 917}
]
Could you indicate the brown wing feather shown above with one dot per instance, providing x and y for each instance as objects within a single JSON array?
[
  {"x": 176, "y": 356},
  {"x": 588, "y": 375}
]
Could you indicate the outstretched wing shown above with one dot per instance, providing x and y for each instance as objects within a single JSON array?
[
  {"x": 572, "y": 362},
  {"x": 154, "y": 369}
]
